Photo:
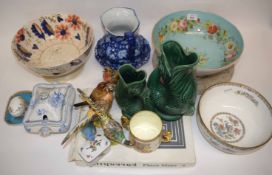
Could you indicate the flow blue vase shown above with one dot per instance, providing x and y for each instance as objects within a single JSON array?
[{"x": 121, "y": 43}]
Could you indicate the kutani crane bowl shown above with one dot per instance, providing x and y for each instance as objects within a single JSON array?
[
  {"x": 234, "y": 118},
  {"x": 53, "y": 45},
  {"x": 217, "y": 42}
]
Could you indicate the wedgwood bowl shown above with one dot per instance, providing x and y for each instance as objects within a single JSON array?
[
  {"x": 53, "y": 45},
  {"x": 217, "y": 42},
  {"x": 234, "y": 118}
]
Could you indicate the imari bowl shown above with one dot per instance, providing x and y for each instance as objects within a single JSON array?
[
  {"x": 234, "y": 118},
  {"x": 53, "y": 45},
  {"x": 217, "y": 42}
]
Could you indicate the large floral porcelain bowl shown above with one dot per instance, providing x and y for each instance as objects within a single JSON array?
[
  {"x": 216, "y": 41},
  {"x": 234, "y": 118},
  {"x": 53, "y": 45}
]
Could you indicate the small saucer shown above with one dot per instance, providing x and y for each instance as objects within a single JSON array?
[
  {"x": 92, "y": 151},
  {"x": 14, "y": 102}
]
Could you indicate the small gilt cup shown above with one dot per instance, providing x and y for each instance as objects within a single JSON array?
[{"x": 146, "y": 131}]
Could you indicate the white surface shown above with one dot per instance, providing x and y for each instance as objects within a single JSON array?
[
  {"x": 117, "y": 21},
  {"x": 23, "y": 153}
]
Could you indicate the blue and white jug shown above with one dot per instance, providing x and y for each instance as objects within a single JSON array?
[{"x": 121, "y": 44}]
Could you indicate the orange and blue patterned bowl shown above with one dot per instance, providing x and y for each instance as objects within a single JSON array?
[{"x": 53, "y": 45}]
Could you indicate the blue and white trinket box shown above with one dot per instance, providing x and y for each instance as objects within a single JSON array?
[{"x": 50, "y": 109}]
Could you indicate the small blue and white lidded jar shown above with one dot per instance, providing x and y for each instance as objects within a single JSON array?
[{"x": 121, "y": 44}]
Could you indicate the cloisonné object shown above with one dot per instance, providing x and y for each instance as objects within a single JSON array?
[
  {"x": 121, "y": 44},
  {"x": 88, "y": 131}
]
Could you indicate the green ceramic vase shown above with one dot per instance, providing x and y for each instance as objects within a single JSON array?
[
  {"x": 171, "y": 88},
  {"x": 129, "y": 90}
]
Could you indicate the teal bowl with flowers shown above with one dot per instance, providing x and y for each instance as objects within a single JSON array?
[{"x": 216, "y": 41}]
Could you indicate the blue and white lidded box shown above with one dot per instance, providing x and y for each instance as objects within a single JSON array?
[{"x": 50, "y": 109}]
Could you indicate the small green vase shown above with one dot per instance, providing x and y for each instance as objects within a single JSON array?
[
  {"x": 171, "y": 89},
  {"x": 129, "y": 89}
]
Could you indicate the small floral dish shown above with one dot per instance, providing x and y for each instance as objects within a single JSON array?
[
  {"x": 92, "y": 151},
  {"x": 217, "y": 42},
  {"x": 234, "y": 118},
  {"x": 50, "y": 109},
  {"x": 17, "y": 106},
  {"x": 53, "y": 45}
]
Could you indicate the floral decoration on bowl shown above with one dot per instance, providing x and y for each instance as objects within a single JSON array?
[
  {"x": 53, "y": 45},
  {"x": 234, "y": 118},
  {"x": 217, "y": 42}
]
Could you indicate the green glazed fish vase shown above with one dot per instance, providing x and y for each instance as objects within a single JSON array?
[
  {"x": 129, "y": 90},
  {"x": 170, "y": 90}
]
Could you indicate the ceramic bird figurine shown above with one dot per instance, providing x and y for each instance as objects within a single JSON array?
[
  {"x": 100, "y": 102},
  {"x": 103, "y": 93},
  {"x": 112, "y": 129}
]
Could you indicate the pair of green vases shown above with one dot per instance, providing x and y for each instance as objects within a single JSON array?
[{"x": 170, "y": 90}]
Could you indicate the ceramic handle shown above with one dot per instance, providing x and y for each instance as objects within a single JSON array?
[
  {"x": 166, "y": 136},
  {"x": 130, "y": 37}
]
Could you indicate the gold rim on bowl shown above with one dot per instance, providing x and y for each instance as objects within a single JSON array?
[{"x": 268, "y": 105}]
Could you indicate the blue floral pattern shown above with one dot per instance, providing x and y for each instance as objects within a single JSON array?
[
  {"x": 56, "y": 99},
  {"x": 41, "y": 112},
  {"x": 113, "y": 51}
]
